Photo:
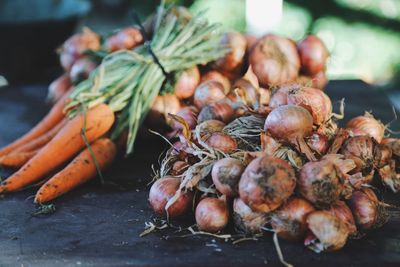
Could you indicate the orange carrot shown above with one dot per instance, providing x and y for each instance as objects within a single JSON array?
[
  {"x": 80, "y": 170},
  {"x": 41, "y": 140},
  {"x": 16, "y": 160},
  {"x": 55, "y": 115},
  {"x": 67, "y": 143}
]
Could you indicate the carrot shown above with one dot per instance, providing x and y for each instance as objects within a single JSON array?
[
  {"x": 55, "y": 115},
  {"x": 68, "y": 142},
  {"x": 41, "y": 140},
  {"x": 80, "y": 170},
  {"x": 16, "y": 160},
  {"x": 58, "y": 88}
]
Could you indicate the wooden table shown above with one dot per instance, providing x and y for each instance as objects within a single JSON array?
[{"x": 100, "y": 225}]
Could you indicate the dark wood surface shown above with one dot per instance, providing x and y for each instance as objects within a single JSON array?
[{"x": 100, "y": 225}]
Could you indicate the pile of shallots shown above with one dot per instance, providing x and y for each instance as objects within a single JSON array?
[{"x": 262, "y": 149}]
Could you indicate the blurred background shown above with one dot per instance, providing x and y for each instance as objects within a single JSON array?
[{"x": 363, "y": 36}]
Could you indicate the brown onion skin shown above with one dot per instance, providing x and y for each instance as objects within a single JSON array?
[
  {"x": 314, "y": 100},
  {"x": 289, "y": 221},
  {"x": 318, "y": 143},
  {"x": 361, "y": 150},
  {"x": 220, "y": 110},
  {"x": 369, "y": 125},
  {"x": 212, "y": 214},
  {"x": 226, "y": 174},
  {"x": 221, "y": 142},
  {"x": 246, "y": 91},
  {"x": 251, "y": 40},
  {"x": 189, "y": 114},
  {"x": 320, "y": 183},
  {"x": 76, "y": 45},
  {"x": 327, "y": 232},
  {"x": 218, "y": 77},
  {"x": 364, "y": 205},
  {"x": 343, "y": 212},
  {"x": 246, "y": 220},
  {"x": 163, "y": 105},
  {"x": 179, "y": 167},
  {"x": 266, "y": 183},
  {"x": 127, "y": 38},
  {"x": 320, "y": 80},
  {"x": 313, "y": 55},
  {"x": 275, "y": 60},
  {"x": 211, "y": 126},
  {"x": 207, "y": 93},
  {"x": 81, "y": 69},
  {"x": 163, "y": 190},
  {"x": 279, "y": 97},
  {"x": 58, "y": 88},
  {"x": 187, "y": 83},
  {"x": 233, "y": 60}
]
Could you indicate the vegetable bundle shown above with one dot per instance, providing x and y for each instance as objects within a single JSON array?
[
  {"x": 108, "y": 87},
  {"x": 266, "y": 153}
]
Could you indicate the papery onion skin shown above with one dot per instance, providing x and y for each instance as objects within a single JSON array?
[
  {"x": 314, "y": 100},
  {"x": 343, "y": 212},
  {"x": 251, "y": 40},
  {"x": 289, "y": 221},
  {"x": 221, "y": 142},
  {"x": 313, "y": 54},
  {"x": 364, "y": 205},
  {"x": 279, "y": 97},
  {"x": 212, "y": 214},
  {"x": 361, "y": 150},
  {"x": 187, "y": 83},
  {"x": 318, "y": 143},
  {"x": 218, "y": 77},
  {"x": 246, "y": 93},
  {"x": 319, "y": 80},
  {"x": 275, "y": 60},
  {"x": 266, "y": 183},
  {"x": 327, "y": 232},
  {"x": 233, "y": 60},
  {"x": 221, "y": 110},
  {"x": 369, "y": 125},
  {"x": 127, "y": 38},
  {"x": 208, "y": 92},
  {"x": 320, "y": 183},
  {"x": 226, "y": 174},
  {"x": 162, "y": 191},
  {"x": 189, "y": 114},
  {"x": 246, "y": 220},
  {"x": 210, "y": 126}
]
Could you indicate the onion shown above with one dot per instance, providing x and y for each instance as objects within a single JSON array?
[
  {"x": 289, "y": 221},
  {"x": 266, "y": 183},
  {"x": 189, "y": 114},
  {"x": 247, "y": 221},
  {"x": 187, "y": 83},
  {"x": 314, "y": 100},
  {"x": 76, "y": 45},
  {"x": 265, "y": 96},
  {"x": 317, "y": 81},
  {"x": 327, "y": 232},
  {"x": 247, "y": 93},
  {"x": 313, "y": 54},
  {"x": 389, "y": 176},
  {"x": 343, "y": 212},
  {"x": 210, "y": 126},
  {"x": 220, "y": 110},
  {"x": 318, "y": 143},
  {"x": 233, "y": 60},
  {"x": 207, "y": 93},
  {"x": 212, "y": 214},
  {"x": 361, "y": 150},
  {"x": 81, "y": 69},
  {"x": 179, "y": 167},
  {"x": 221, "y": 142},
  {"x": 268, "y": 144},
  {"x": 364, "y": 204},
  {"x": 279, "y": 97},
  {"x": 275, "y": 60},
  {"x": 162, "y": 191},
  {"x": 218, "y": 77},
  {"x": 368, "y": 125},
  {"x": 251, "y": 40},
  {"x": 58, "y": 88},
  {"x": 163, "y": 105},
  {"x": 291, "y": 124},
  {"x": 320, "y": 183},
  {"x": 127, "y": 38},
  {"x": 226, "y": 174}
]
